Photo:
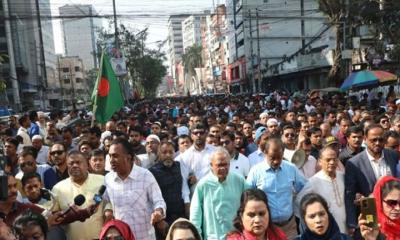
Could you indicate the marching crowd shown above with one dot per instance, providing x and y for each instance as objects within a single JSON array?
[{"x": 276, "y": 166}]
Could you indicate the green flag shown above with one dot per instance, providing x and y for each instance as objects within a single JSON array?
[{"x": 107, "y": 96}]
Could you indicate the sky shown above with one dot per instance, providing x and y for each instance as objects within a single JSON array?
[{"x": 156, "y": 11}]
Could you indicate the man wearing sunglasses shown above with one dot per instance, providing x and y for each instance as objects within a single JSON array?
[
  {"x": 195, "y": 160},
  {"x": 238, "y": 163},
  {"x": 364, "y": 169},
  {"x": 289, "y": 140},
  {"x": 57, "y": 157}
]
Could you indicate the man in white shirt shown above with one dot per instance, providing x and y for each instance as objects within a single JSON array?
[
  {"x": 43, "y": 151},
  {"x": 260, "y": 139},
  {"x": 195, "y": 160},
  {"x": 24, "y": 123},
  {"x": 133, "y": 192},
  {"x": 148, "y": 159},
  {"x": 328, "y": 183},
  {"x": 239, "y": 163},
  {"x": 289, "y": 140}
]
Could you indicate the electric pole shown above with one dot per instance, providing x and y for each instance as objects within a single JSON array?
[
  {"x": 251, "y": 55},
  {"x": 115, "y": 26},
  {"x": 258, "y": 53},
  {"x": 11, "y": 59},
  {"x": 43, "y": 80}
]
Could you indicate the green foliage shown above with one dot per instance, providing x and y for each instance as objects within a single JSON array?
[
  {"x": 146, "y": 69},
  {"x": 192, "y": 59}
]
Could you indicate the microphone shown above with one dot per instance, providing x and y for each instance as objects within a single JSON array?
[
  {"x": 78, "y": 201},
  {"x": 99, "y": 196}
]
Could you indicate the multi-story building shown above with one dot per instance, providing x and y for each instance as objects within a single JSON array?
[
  {"x": 80, "y": 34},
  {"x": 74, "y": 85},
  {"x": 25, "y": 73},
  {"x": 53, "y": 92},
  {"x": 191, "y": 31},
  {"x": 175, "y": 47},
  {"x": 278, "y": 43}
]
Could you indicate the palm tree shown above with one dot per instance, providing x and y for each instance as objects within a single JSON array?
[{"x": 192, "y": 59}]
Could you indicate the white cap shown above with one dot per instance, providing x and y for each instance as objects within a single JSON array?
[
  {"x": 397, "y": 101},
  {"x": 153, "y": 136},
  {"x": 272, "y": 121},
  {"x": 37, "y": 137}
]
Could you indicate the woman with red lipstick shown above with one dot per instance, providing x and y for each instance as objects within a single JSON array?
[
  {"x": 317, "y": 222},
  {"x": 387, "y": 198},
  {"x": 253, "y": 221}
]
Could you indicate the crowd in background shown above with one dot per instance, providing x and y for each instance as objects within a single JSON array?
[{"x": 269, "y": 166}]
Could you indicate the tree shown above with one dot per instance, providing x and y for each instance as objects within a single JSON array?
[
  {"x": 335, "y": 10},
  {"x": 192, "y": 59},
  {"x": 145, "y": 66}
]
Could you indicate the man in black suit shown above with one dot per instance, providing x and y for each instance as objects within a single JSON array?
[{"x": 364, "y": 169}]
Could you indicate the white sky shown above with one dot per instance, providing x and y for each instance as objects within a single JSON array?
[{"x": 158, "y": 9}]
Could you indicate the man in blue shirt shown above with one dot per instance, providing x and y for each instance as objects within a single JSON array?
[
  {"x": 279, "y": 180},
  {"x": 34, "y": 129}
]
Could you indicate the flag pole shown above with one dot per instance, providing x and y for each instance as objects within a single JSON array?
[{"x": 95, "y": 90}]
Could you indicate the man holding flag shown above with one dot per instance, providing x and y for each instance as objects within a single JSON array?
[{"x": 107, "y": 96}]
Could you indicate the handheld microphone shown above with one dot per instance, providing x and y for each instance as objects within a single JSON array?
[
  {"x": 99, "y": 196},
  {"x": 78, "y": 201}
]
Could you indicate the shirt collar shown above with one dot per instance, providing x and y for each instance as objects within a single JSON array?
[
  {"x": 259, "y": 152},
  {"x": 132, "y": 175},
  {"x": 215, "y": 178},
  {"x": 371, "y": 158}
]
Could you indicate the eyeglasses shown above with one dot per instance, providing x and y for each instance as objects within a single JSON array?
[
  {"x": 114, "y": 238},
  {"x": 289, "y": 135},
  {"x": 392, "y": 203},
  {"x": 59, "y": 152}
]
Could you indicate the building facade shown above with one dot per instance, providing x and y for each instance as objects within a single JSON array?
[
  {"x": 175, "y": 48},
  {"x": 74, "y": 83},
  {"x": 80, "y": 34}
]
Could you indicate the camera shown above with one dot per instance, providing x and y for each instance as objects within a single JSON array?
[{"x": 3, "y": 179}]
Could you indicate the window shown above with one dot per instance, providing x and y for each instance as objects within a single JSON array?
[
  {"x": 65, "y": 70},
  {"x": 78, "y": 80},
  {"x": 67, "y": 81},
  {"x": 77, "y": 69}
]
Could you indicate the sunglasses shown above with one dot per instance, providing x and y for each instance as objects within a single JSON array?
[
  {"x": 59, "y": 152},
  {"x": 26, "y": 164},
  {"x": 225, "y": 142},
  {"x": 289, "y": 135},
  {"x": 392, "y": 203},
  {"x": 377, "y": 140},
  {"x": 198, "y": 132},
  {"x": 114, "y": 238}
]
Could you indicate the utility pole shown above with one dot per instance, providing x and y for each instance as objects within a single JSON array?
[
  {"x": 303, "y": 30},
  {"x": 251, "y": 55},
  {"x": 11, "y": 59},
  {"x": 43, "y": 82},
  {"x": 258, "y": 53},
  {"x": 115, "y": 26}
]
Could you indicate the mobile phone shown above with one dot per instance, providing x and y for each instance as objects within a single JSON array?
[{"x": 368, "y": 210}]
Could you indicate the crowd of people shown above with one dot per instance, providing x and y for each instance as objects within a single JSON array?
[{"x": 272, "y": 166}]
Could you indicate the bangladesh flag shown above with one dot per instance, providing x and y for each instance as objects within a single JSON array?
[{"x": 107, "y": 96}]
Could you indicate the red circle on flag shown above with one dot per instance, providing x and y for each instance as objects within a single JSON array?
[{"x": 104, "y": 87}]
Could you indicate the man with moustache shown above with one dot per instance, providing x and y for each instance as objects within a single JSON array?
[
  {"x": 87, "y": 184},
  {"x": 135, "y": 137},
  {"x": 280, "y": 180},
  {"x": 169, "y": 177},
  {"x": 217, "y": 198},
  {"x": 59, "y": 171}
]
